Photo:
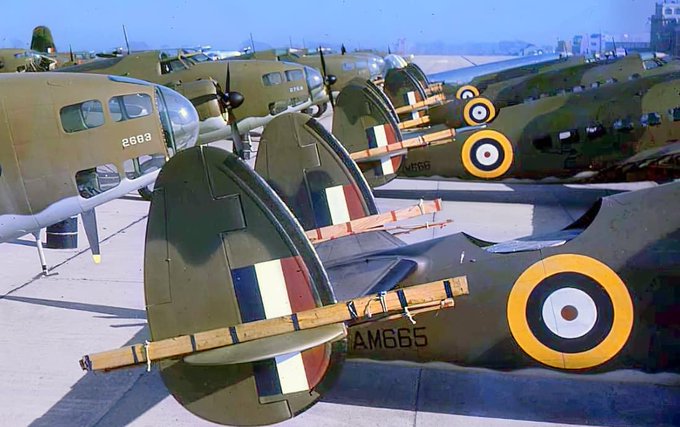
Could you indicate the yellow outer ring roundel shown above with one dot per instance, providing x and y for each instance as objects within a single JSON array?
[
  {"x": 616, "y": 290},
  {"x": 466, "y": 154},
  {"x": 467, "y": 110},
  {"x": 463, "y": 88}
]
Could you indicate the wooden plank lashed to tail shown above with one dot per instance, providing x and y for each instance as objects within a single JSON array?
[
  {"x": 436, "y": 99},
  {"x": 373, "y": 222},
  {"x": 434, "y": 89},
  {"x": 410, "y": 124},
  {"x": 419, "y": 297},
  {"x": 376, "y": 153}
]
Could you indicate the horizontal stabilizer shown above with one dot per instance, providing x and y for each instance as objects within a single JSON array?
[{"x": 269, "y": 348}]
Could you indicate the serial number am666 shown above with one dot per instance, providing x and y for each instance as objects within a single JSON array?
[
  {"x": 373, "y": 339},
  {"x": 136, "y": 139}
]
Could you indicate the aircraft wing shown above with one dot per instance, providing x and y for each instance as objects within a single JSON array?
[
  {"x": 657, "y": 164},
  {"x": 466, "y": 74}
]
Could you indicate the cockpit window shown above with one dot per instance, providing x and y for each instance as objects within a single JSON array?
[
  {"x": 348, "y": 66},
  {"x": 199, "y": 57},
  {"x": 623, "y": 125},
  {"x": 650, "y": 119},
  {"x": 294, "y": 75},
  {"x": 172, "y": 66},
  {"x": 82, "y": 116},
  {"x": 675, "y": 114},
  {"x": 272, "y": 79},
  {"x": 127, "y": 107},
  {"x": 650, "y": 64}
]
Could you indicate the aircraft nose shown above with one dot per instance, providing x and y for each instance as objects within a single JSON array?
[{"x": 179, "y": 118}]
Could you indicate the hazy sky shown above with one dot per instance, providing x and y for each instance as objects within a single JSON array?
[{"x": 96, "y": 25}]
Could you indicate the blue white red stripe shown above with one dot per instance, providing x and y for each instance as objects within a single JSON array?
[
  {"x": 410, "y": 99},
  {"x": 380, "y": 136},
  {"x": 337, "y": 205},
  {"x": 271, "y": 289}
]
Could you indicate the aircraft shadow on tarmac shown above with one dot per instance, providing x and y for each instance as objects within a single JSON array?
[{"x": 552, "y": 398}]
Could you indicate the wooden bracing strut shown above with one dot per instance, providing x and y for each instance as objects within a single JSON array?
[{"x": 426, "y": 297}]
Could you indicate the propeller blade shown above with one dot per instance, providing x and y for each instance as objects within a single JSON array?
[
  {"x": 90, "y": 225},
  {"x": 325, "y": 78},
  {"x": 235, "y": 135}
]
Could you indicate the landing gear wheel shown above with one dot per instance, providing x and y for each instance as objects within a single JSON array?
[{"x": 320, "y": 109}]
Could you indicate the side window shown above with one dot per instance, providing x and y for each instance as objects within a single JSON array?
[
  {"x": 172, "y": 66},
  {"x": 543, "y": 143},
  {"x": 272, "y": 79},
  {"x": 595, "y": 131},
  {"x": 569, "y": 136},
  {"x": 623, "y": 125},
  {"x": 83, "y": 116},
  {"x": 294, "y": 75},
  {"x": 127, "y": 107},
  {"x": 347, "y": 66},
  {"x": 595, "y": 85},
  {"x": 611, "y": 80},
  {"x": 650, "y": 119},
  {"x": 674, "y": 114}
]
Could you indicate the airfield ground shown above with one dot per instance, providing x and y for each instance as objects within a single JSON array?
[{"x": 48, "y": 323}]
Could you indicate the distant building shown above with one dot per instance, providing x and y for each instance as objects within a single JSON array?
[{"x": 664, "y": 27}]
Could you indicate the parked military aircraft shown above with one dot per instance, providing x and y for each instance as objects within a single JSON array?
[
  {"x": 344, "y": 67},
  {"x": 578, "y": 77},
  {"x": 21, "y": 60},
  {"x": 99, "y": 138},
  {"x": 268, "y": 88},
  {"x": 43, "y": 42},
  {"x": 261, "y": 338},
  {"x": 364, "y": 119},
  {"x": 561, "y": 136}
]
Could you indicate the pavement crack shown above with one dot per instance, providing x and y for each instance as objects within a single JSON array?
[{"x": 67, "y": 260}]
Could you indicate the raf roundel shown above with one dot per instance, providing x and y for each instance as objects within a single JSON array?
[
  {"x": 570, "y": 312},
  {"x": 487, "y": 154},
  {"x": 467, "y": 92},
  {"x": 479, "y": 111}
]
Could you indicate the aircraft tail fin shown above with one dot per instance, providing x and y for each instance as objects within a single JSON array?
[
  {"x": 312, "y": 173},
  {"x": 403, "y": 89},
  {"x": 363, "y": 120},
  {"x": 223, "y": 251},
  {"x": 418, "y": 73},
  {"x": 42, "y": 40}
]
